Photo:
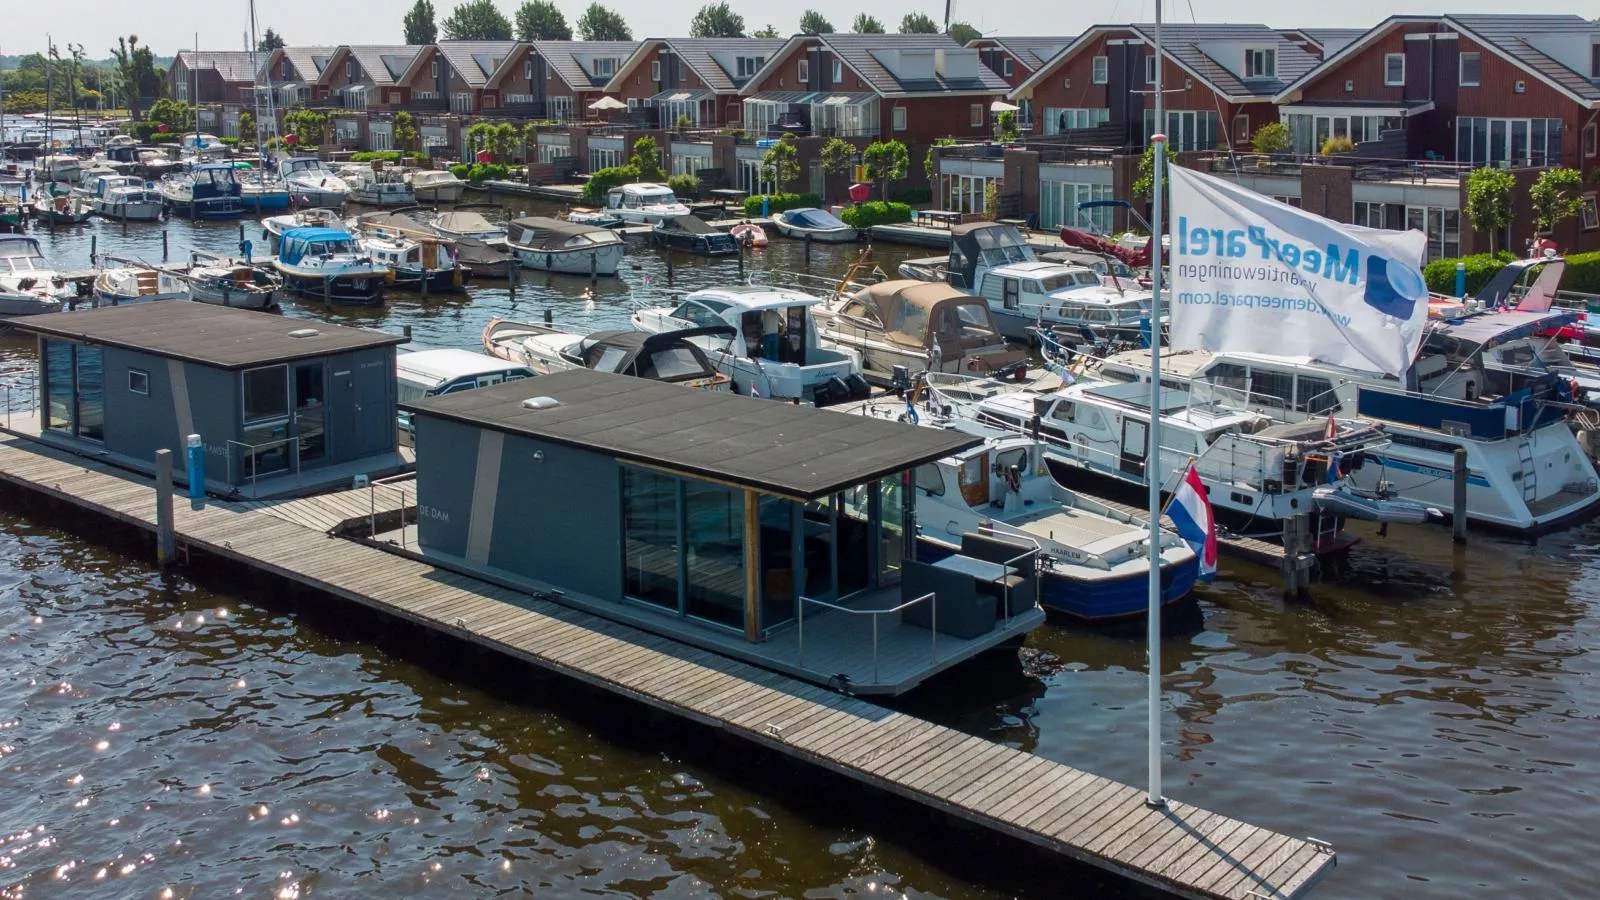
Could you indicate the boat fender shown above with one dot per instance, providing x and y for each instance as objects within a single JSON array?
[
  {"x": 859, "y": 388},
  {"x": 837, "y": 388}
]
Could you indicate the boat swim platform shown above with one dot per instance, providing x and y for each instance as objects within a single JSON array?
[{"x": 1082, "y": 817}]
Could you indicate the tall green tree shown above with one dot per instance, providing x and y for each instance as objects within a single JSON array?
[
  {"x": 766, "y": 31},
  {"x": 781, "y": 163},
  {"x": 269, "y": 42},
  {"x": 405, "y": 131},
  {"x": 838, "y": 157},
  {"x": 865, "y": 24},
  {"x": 601, "y": 24},
  {"x": 716, "y": 20},
  {"x": 420, "y": 25},
  {"x": 307, "y": 125},
  {"x": 813, "y": 22},
  {"x": 886, "y": 161},
  {"x": 136, "y": 73},
  {"x": 646, "y": 160},
  {"x": 918, "y": 23},
  {"x": 1489, "y": 202},
  {"x": 963, "y": 33},
  {"x": 540, "y": 20},
  {"x": 1555, "y": 197},
  {"x": 476, "y": 20}
]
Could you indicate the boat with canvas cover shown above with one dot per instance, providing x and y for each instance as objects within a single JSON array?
[
  {"x": 914, "y": 326},
  {"x": 326, "y": 264},
  {"x": 671, "y": 357},
  {"x": 551, "y": 245},
  {"x": 809, "y": 223}
]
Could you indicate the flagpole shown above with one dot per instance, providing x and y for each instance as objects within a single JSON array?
[{"x": 1158, "y": 143}]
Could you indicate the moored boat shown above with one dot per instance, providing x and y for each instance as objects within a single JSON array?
[
  {"x": 809, "y": 223},
  {"x": 326, "y": 264},
  {"x": 691, "y": 234},
  {"x": 311, "y": 182},
  {"x": 671, "y": 357},
  {"x": 206, "y": 191},
  {"x": 125, "y": 281},
  {"x": 125, "y": 197},
  {"x": 915, "y": 326},
  {"x": 435, "y": 185},
  {"x": 28, "y": 286},
  {"x": 551, "y": 245},
  {"x": 224, "y": 282}
]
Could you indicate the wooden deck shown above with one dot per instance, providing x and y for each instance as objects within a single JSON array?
[
  {"x": 1179, "y": 848},
  {"x": 362, "y": 511}
]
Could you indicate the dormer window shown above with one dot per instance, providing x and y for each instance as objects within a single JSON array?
[
  {"x": 436, "y": 68},
  {"x": 1394, "y": 69},
  {"x": 838, "y": 71},
  {"x": 1149, "y": 70},
  {"x": 1261, "y": 63},
  {"x": 605, "y": 66},
  {"x": 655, "y": 70},
  {"x": 803, "y": 73},
  {"x": 745, "y": 66},
  {"x": 1006, "y": 66}
]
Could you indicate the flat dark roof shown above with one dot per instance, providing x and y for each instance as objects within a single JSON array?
[
  {"x": 770, "y": 445},
  {"x": 200, "y": 332}
]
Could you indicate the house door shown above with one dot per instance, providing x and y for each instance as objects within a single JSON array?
[
  {"x": 1135, "y": 440},
  {"x": 341, "y": 414},
  {"x": 375, "y": 412}
]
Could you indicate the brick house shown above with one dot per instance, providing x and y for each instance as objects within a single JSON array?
[
  {"x": 1015, "y": 58},
  {"x": 211, "y": 76},
  {"x": 1321, "y": 42},
  {"x": 556, "y": 79},
  {"x": 1220, "y": 82},
  {"x": 365, "y": 77},
  {"x": 697, "y": 78}
]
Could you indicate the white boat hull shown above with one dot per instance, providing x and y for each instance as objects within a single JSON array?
[
  {"x": 442, "y": 193},
  {"x": 138, "y": 211},
  {"x": 819, "y": 235},
  {"x": 601, "y": 260}
]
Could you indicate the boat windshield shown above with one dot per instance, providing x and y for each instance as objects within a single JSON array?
[
  {"x": 672, "y": 364},
  {"x": 649, "y": 197},
  {"x": 330, "y": 248},
  {"x": 1081, "y": 278},
  {"x": 20, "y": 251}
]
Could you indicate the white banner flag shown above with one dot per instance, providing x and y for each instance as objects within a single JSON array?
[{"x": 1252, "y": 275}]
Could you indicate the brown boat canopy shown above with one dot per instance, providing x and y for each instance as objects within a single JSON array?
[{"x": 916, "y": 313}]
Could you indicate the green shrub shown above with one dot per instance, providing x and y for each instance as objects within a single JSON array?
[
  {"x": 876, "y": 212},
  {"x": 599, "y": 183},
  {"x": 480, "y": 171},
  {"x": 779, "y": 202},
  {"x": 1337, "y": 144},
  {"x": 166, "y": 137},
  {"x": 1582, "y": 274},
  {"x": 915, "y": 196},
  {"x": 142, "y": 130},
  {"x": 229, "y": 142},
  {"x": 387, "y": 156},
  {"x": 1441, "y": 273},
  {"x": 685, "y": 185}
]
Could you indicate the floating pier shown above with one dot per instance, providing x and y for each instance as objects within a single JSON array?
[{"x": 1177, "y": 848}]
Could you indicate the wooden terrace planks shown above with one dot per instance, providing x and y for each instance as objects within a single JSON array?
[{"x": 1179, "y": 848}]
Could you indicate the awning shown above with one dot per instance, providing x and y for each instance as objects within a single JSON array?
[
  {"x": 682, "y": 95},
  {"x": 1356, "y": 109},
  {"x": 779, "y": 98}
]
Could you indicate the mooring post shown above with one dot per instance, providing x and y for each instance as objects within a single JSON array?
[
  {"x": 166, "y": 542},
  {"x": 670, "y": 255},
  {"x": 594, "y": 266},
  {"x": 1458, "y": 505},
  {"x": 94, "y": 254},
  {"x": 808, "y": 249},
  {"x": 241, "y": 233},
  {"x": 742, "y": 246},
  {"x": 163, "y": 245}
]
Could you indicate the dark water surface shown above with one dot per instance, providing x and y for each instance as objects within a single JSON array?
[{"x": 1431, "y": 712}]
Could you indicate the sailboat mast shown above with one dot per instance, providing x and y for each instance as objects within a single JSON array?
[
  {"x": 1154, "y": 473},
  {"x": 49, "y": 90},
  {"x": 194, "y": 98}
]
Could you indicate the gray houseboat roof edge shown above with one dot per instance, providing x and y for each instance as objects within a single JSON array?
[{"x": 766, "y": 445}]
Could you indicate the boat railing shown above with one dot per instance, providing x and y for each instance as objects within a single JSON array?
[
  {"x": 821, "y": 285},
  {"x": 22, "y": 394},
  {"x": 931, "y": 598},
  {"x": 249, "y": 456}
]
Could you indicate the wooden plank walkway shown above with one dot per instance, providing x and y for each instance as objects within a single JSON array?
[
  {"x": 1180, "y": 849},
  {"x": 343, "y": 510}
]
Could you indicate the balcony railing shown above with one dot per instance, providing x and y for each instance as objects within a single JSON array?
[
  {"x": 1413, "y": 171},
  {"x": 427, "y": 104}
]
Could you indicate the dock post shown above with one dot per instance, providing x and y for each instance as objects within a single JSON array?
[
  {"x": 515, "y": 274},
  {"x": 241, "y": 233},
  {"x": 741, "y": 261},
  {"x": 163, "y": 245},
  {"x": 549, "y": 317},
  {"x": 670, "y": 255},
  {"x": 94, "y": 247},
  {"x": 196, "y": 466},
  {"x": 124, "y": 223},
  {"x": 594, "y": 266},
  {"x": 406, "y": 330},
  {"x": 1458, "y": 506},
  {"x": 166, "y": 542},
  {"x": 1296, "y": 555},
  {"x": 808, "y": 250}
]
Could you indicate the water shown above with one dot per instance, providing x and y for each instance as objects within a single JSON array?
[{"x": 1430, "y": 712}]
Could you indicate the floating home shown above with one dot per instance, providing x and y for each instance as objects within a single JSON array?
[
  {"x": 282, "y": 406},
  {"x": 776, "y": 534}
]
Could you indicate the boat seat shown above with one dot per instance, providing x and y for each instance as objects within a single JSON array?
[
  {"x": 1022, "y": 588},
  {"x": 962, "y": 611}
]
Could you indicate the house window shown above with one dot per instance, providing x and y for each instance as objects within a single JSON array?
[
  {"x": 655, "y": 70},
  {"x": 803, "y": 71},
  {"x": 1058, "y": 120},
  {"x": 266, "y": 393},
  {"x": 749, "y": 65},
  {"x": 1589, "y": 139},
  {"x": 1590, "y": 213},
  {"x": 1149, "y": 70},
  {"x": 605, "y": 66},
  {"x": 527, "y": 70},
  {"x": 1368, "y": 214},
  {"x": 1006, "y": 66},
  {"x": 1442, "y": 225},
  {"x": 435, "y": 68},
  {"x": 1241, "y": 128},
  {"x": 1471, "y": 69},
  {"x": 838, "y": 71},
  {"x": 139, "y": 380},
  {"x": 1508, "y": 142},
  {"x": 1394, "y": 69},
  {"x": 977, "y": 115},
  {"x": 899, "y": 118},
  {"x": 1099, "y": 70},
  {"x": 1261, "y": 63}
]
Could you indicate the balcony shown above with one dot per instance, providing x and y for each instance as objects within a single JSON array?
[{"x": 426, "y": 105}]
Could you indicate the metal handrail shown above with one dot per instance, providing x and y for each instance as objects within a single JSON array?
[
  {"x": 251, "y": 450},
  {"x": 933, "y": 626},
  {"x": 372, "y": 503},
  {"x": 28, "y": 381}
]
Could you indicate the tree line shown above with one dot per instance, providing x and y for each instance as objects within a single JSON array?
[{"x": 543, "y": 20}]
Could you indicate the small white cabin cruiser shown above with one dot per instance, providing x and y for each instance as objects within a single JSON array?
[
  {"x": 125, "y": 197},
  {"x": 643, "y": 203},
  {"x": 431, "y": 373},
  {"x": 327, "y": 264},
  {"x": 27, "y": 286},
  {"x": 435, "y": 185},
  {"x": 311, "y": 182},
  {"x": 121, "y": 282}
]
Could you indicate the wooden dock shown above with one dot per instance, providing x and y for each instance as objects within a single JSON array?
[{"x": 1179, "y": 848}]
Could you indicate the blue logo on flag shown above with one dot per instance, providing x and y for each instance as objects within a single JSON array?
[{"x": 1393, "y": 288}]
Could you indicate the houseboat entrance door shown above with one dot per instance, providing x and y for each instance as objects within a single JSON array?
[{"x": 1135, "y": 441}]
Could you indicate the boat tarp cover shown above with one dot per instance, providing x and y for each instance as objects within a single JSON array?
[
  {"x": 1076, "y": 237},
  {"x": 913, "y": 311},
  {"x": 813, "y": 218},
  {"x": 541, "y": 233},
  {"x": 688, "y": 225},
  {"x": 639, "y": 350},
  {"x": 1498, "y": 328},
  {"x": 296, "y": 241},
  {"x": 465, "y": 221}
]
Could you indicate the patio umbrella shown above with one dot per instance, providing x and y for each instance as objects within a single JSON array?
[
  {"x": 1002, "y": 106},
  {"x": 608, "y": 103}
]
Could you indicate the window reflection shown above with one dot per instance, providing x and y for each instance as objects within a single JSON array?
[
  {"x": 650, "y": 536},
  {"x": 714, "y": 540}
]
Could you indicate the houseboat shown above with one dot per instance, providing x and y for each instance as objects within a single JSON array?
[
  {"x": 691, "y": 234},
  {"x": 687, "y": 528},
  {"x": 643, "y": 203},
  {"x": 913, "y": 326},
  {"x": 327, "y": 264},
  {"x": 28, "y": 286},
  {"x": 810, "y": 224},
  {"x": 546, "y": 349},
  {"x": 205, "y": 191},
  {"x": 125, "y": 197},
  {"x": 430, "y": 373},
  {"x": 774, "y": 352},
  {"x": 551, "y": 245}
]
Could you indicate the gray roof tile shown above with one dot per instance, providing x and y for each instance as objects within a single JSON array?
[
  {"x": 1031, "y": 50},
  {"x": 563, "y": 62},
  {"x": 1510, "y": 33},
  {"x": 1182, "y": 44},
  {"x": 232, "y": 65},
  {"x": 384, "y": 64},
  {"x": 475, "y": 61},
  {"x": 696, "y": 53},
  {"x": 308, "y": 62},
  {"x": 856, "y": 50}
]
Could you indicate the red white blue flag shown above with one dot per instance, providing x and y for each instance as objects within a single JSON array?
[{"x": 1190, "y": 511}]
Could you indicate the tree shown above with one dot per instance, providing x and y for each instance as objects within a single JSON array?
[
  {"x": 930, "y": 163},
  {"x": 476, "y": 20},
  {"x": 766, "y": 32},
  {"x": 1274, "y": 137},
  {"x": 781, "y": 163},
  {"x": 177, "y": 116},
  {"x": 918, "y": 23},
  {"x": 1554, "y": 197},
  {"x": 419, "y": 23},
  {"x": 405, "y": 131},
  {"x": 646, "y": 160},
  {"x": 307, "y": 125},
  {"x": 600, "y": 24},
  {"x": 837, "y": 156},
  {"x": 1144, "y": 185},
  {"x": 886, "y": 161},
  {"x": 1005, "y": 126},
  {"x": 963, "y": 33},
  {"x": 540, "y": 20},
  {"x": 499, "y": 139},
  {"x": 717, "y": 20},
  {"x": 813, "y": 22},
  {"x": 247, "y": 127},
  {"x": 269, "y": 42},
  {"x": 865, "y": 24},
  {"x": 1489, "y": 201}
]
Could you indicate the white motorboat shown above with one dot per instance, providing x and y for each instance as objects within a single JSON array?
[
  {"x": 435, "y": 185},
  {"x": 1072, "y": 302},
  {"x": 915, "y": 326},
  {"x": 125, "y": 197},
  {"x": 205, "y": 191},
  {"x": 811, "y": 224},
  {"x": 224, "y": 282},
  {"x": 600, "y": 218},
  {"x": 123, "y": 281},
  {"x": 62, "y": 167},
  {"x": 643, "y": 203},
  {"x": 273, "y": 227},
  {"x": 28, "y": 286},
  {"x": 466, "y": 223},
  {"x": 327, "y": 264},
  {"x": 774, "y": 352},
  {"x": 418, "y": 263},
  {"x": 671, "y": 357},
  {"x": 311, "y": 182},
  {"x": 372, "y": 188},
  {"x": 551, "y": 245}
]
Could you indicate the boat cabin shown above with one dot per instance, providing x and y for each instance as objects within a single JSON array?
[
  {"x": 770, "y": 323},
  {"x": 980, "y": 246},
  {"x": 430, "y": 373},
  {"x": 1053, "y": 295},
  {"x": 283, "y": 407},
  {"x": 775, "y": 534},
  {"x": 298, "y": 244},
  {"x": 639, "y": 196}
]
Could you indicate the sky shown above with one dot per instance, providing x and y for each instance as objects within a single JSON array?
[{"x": 168, "y": 25}]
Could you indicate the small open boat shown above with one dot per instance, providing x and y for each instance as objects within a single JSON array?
[
  {"x": 813, "y": 224},
  {"x": 224, "y": 282},
  {"x": 749, "y": 234},
  {"x": 1373, "y": 506}
]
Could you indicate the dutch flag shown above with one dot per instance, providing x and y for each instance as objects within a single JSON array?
[{"x": 1190, "y": 511}]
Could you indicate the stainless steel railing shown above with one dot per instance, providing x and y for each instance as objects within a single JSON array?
[{"x": 933, "y": 626}]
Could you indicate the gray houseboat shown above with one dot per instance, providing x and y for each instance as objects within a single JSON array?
[
  {"x": 775, "y": 534},
  {"x": 283, "y": 407}
]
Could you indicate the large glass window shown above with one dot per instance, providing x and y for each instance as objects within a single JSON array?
[
  {"x": 1058, "y": 120},
  {"x": 58, "y": 385},
  {"x": 650, "y": 536},
  {"x": 1186, "y": 130},
  {"x": 714, "y": 545},
  {"x": 1058, "y": 205},
  {"x": 778, "y": 577},
  {"x": 1508, "y": 142},
  {"x": 91, "y": 393},
  {"x": 893, "y": 499},
  {"x": 266, "y": 393}
]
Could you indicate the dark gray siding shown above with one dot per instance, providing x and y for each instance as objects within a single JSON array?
[
  {"x": 137, "y": 424},
  {"x": 444, "y": 483},
  {"x": 559, "y": 519},
  {"x": 215, "y": 407}
]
